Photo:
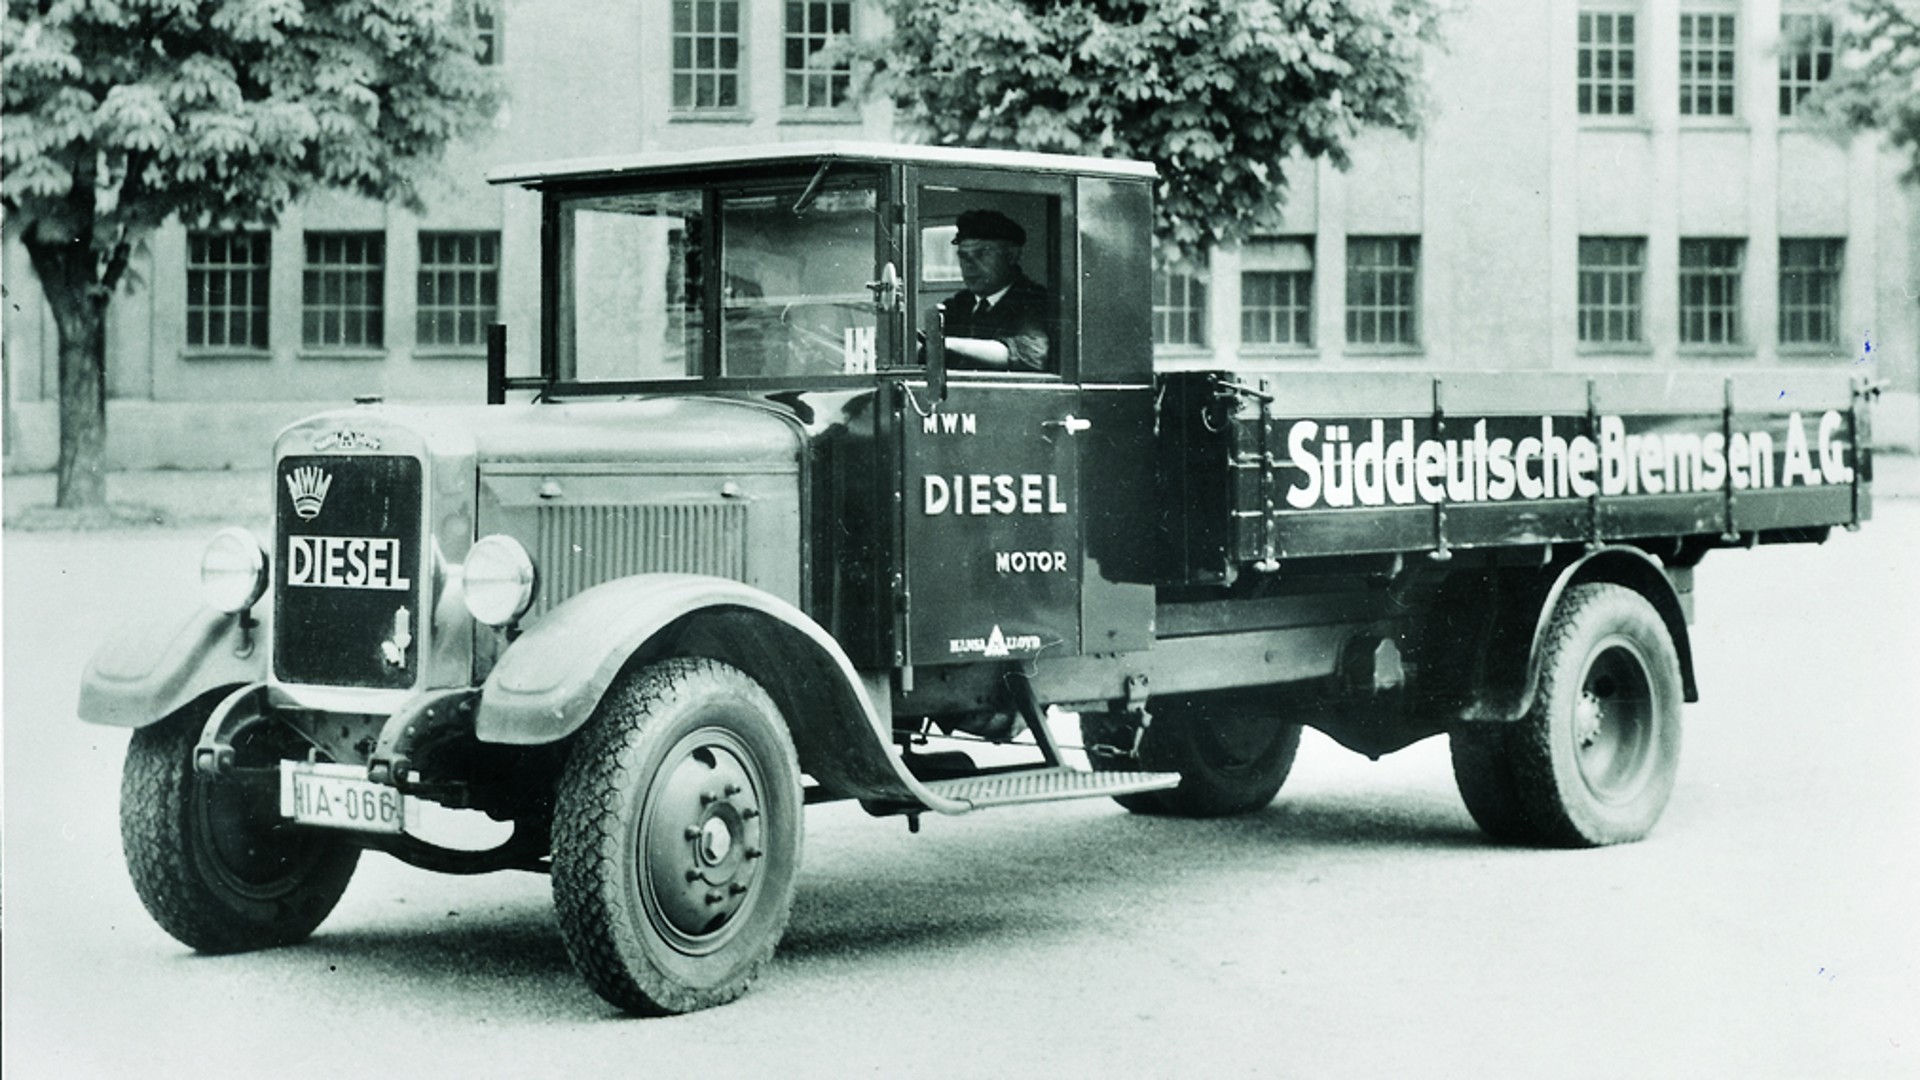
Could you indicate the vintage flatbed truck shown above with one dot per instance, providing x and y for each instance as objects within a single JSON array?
[{"x": 749, "y": 538}]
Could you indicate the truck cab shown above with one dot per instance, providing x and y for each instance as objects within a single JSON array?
[{"x": 812, "y": 280}]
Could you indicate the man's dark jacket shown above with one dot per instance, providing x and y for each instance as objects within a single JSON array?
[{"x": 1022, "y": 320}]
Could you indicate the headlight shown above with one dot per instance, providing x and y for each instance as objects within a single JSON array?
[
  {"x": 233, "y": 572},
  {"x": 498, "y": 580}
]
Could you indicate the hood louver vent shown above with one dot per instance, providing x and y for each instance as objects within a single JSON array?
[{"x": 578, "y": 547}]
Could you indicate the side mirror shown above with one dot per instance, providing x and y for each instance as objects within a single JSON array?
[{"x": 937, "y": 352}]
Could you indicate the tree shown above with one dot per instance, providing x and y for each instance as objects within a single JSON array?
[
  {"x": 1877, "y": 83},
  {"x": 121, "y": 114},
  {"x": 1216, "y": 93}
]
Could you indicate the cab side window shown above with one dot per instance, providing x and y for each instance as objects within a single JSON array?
[{"x": 987, "y": 256}]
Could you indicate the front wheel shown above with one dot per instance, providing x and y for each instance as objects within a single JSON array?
[
  {"x": 212, "y": 860},
  {"x": 677, "y": 838},
  {"x": 1593, "y": 762},
  {"x": 1232, "y": 750}
]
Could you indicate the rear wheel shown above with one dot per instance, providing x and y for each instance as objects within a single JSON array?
[
  {"x": 212, "y": 859},
  {"x": 1593, "y": 762},
  {"x": 1232, "y": 751},
  {"x": 677, "y": 838}
]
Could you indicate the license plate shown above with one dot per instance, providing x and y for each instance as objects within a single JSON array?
[{"x": 341, "y": 797}]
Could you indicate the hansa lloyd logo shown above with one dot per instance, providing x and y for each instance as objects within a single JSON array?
[
  {"x": 994, "y": 644},
  {"x": 308, "y": 485}
]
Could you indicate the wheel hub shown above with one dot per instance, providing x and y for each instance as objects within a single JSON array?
[
  {"x": 702, "y": 841},
  {"x": 1613, "y": 722},
  {"x": 716, "y": 840}
]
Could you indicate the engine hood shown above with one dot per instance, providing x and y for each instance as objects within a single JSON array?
[{"x": 695, "y": 432}]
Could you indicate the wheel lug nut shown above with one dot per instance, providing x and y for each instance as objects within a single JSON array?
[
  {"x": 748, "y": 813},
  {"x": 754, "y": 853},
  {"x": 732, "y": 790},
  {"x": 708, "y": 798},
  {"x": 714, "y": 896},
  {"x": 692, "y": 833},
  {"x": 693, "y": 875},
  {"x": 737, "y": 889}
]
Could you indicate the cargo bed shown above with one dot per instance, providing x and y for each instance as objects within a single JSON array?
[{"x": 1299, "y": 465}]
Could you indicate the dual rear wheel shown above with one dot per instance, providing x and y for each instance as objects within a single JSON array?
[
  {"x": 1232, "y": 749},
  {"x": 1593, "y": 761}
]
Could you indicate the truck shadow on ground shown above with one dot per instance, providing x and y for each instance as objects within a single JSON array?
[
  {"x": 960, "y": 886},
  {"x": 888, "y": 895}
]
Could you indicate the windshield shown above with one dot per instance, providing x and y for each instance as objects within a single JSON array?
[{"x": 683, "y": 284}]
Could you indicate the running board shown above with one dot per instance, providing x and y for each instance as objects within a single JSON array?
[{"x": 1054, "y": 784}]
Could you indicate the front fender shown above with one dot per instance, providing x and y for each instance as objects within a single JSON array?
[
  {"x": 549, "y": 682},
  {"x": 145, "y": 673}
]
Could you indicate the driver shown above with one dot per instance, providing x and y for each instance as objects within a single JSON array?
[{"x": 999, "y": 321}]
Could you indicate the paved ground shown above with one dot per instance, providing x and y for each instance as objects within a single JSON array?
[{"x": 1359, "y": 927}]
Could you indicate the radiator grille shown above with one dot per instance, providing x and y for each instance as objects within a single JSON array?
[{"x": 577, "y": 547}]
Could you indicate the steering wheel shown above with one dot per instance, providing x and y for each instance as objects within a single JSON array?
[{"x": 816, "y": 334}]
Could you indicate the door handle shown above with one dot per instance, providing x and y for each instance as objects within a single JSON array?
[{"x": 1072, "y": 424}]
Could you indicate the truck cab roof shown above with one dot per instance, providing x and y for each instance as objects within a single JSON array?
[{"x": 707, "y": 158}]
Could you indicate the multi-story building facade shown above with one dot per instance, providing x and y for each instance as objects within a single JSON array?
[{"x": 1602, "y": 185}]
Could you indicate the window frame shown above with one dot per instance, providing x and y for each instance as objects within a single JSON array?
[
  {"x": 1715, "y": 89},
  {"x": 373, "y": 275},
  {"x": 693, "y": 69},
  {"x": 1630, "y": 306},
  {"x": 811, "y": 42},
  {"x": 1792, "y": 88},
  {"x": 258, "y": 276},
  {"x": 486, "y": 19},
  {"x": 1587, "y": 54},
  {"x": 1195, "y": 318},
  {"x": 1831, "y": 274},
  {"x": 485, "y": 273},
  {"x": 1405, "y": 272},
  {"x": 1730, "y": 305},
  {"x": 1299, "y": 285}
]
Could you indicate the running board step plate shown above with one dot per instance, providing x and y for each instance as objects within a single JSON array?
[{"x": 1048, "y": 785}]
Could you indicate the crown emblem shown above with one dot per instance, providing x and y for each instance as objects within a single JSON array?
[{"x": 308, "y": 486}]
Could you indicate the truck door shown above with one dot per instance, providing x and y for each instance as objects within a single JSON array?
[{"x": 992, "y": 531}]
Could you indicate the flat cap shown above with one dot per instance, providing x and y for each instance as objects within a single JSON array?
[{"x": 988, "y": 225}]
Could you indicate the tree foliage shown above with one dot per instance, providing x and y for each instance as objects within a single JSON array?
[
  {"x": 123, "y": 113},
  {"x": 1877, "y": 84},
  {"x": 1216, "y": 93}
]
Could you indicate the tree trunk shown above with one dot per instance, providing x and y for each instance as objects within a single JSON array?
[
  {"x": 83, "y": 407},
  {"x": 79, "y": 306}
]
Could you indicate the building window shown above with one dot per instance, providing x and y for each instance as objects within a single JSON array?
[
  {"x": 1706, "y": 65},
  {"x": 342, "y": 291},
  {"x": 1710, "y": 291},
  {"x": 1806, "y": 58},
  {"x": 812, "y": 25},
  {"x": 706, "y": 54},
  {"x": 1810, "y": 292},
  {"x": 1382, "y": 290},
  {"x": 227, "y": 289},
  {"x": 1276, "y": 292},
  {"x": 486, "y": 31},
  {"x": 1606, "y": 69},
  {"x": 1611, "y": 269},
  {"x": 459, "y": 291},
  {"x": 1179, "y": 308}
]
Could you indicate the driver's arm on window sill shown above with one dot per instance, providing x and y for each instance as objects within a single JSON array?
[
  {"x": 1026, "y": 352},
  {"x": 985, "y": 352}
]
